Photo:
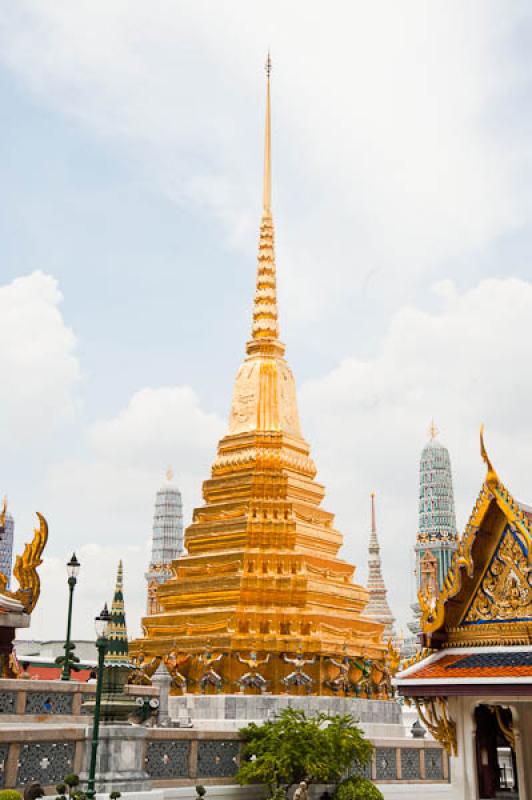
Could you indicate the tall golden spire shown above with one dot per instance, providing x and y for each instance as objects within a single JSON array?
[
  {"x": 267, "y": 188},
  {"x": 265, "y": 318},
  {"x": 261, "y": 571}
]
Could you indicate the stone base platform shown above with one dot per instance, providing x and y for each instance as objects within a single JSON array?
[
  {"x": 233, "y": 711},
  {"x": 120, "y": 758}
]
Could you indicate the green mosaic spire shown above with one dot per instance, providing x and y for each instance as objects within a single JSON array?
[
  {"x": 437, "y": 531},
  {"x": 117, "y": 648}
]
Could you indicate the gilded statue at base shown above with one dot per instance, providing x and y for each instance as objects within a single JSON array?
[
  {"x": 253, "y": 679},
  {"x": 210, "y": 677},
  {"x": 342, "y": 681},
  {"x": 144, "y": 669},
  {"x": 173, "y": 662},
  {"x": 298, "y": 677}
]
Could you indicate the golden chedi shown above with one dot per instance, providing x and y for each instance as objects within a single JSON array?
[{"x": 261, "y": 602}]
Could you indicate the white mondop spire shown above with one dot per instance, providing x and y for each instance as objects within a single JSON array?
[
  {"x": 377, "y": 607},
  {"x": 167, "y": 541}
]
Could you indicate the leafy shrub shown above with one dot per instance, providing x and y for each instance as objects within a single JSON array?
[
  {"x": 293, "y": 747},
  {"x": 71, "y": 780},
  {"x": 61, "y": 788},
  {"x": 10, "y": 794},
  {"x": 115, "y": 795},
  {"x": 201, "y": 791},
  {"x": 356, "y": 788}
]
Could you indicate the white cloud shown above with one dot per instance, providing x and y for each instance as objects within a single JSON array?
[
  {"x": 38, "y": 362},
  {"x": 387, "y": 158},
  {"x": 463, "y": 364},
  {"x": 95, "y": 587},
  {"x": 105, "y": 499}
]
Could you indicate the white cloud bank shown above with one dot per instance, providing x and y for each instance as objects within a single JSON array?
[
  {"x": 39, "y": 368},
  {"x": 389, "y": 156}
]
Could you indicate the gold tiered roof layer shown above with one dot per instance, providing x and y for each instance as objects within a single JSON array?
[{"x": 262, "y": 572}]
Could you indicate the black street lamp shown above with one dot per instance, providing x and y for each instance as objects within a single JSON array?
[
  {"x": 73, "y": 572},
  {"x": 100, "y": 624}
]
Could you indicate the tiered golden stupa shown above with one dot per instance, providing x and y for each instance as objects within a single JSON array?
[{"x": 261, "y": 601}]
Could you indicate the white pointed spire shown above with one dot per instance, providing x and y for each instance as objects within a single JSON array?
[{"x": 377, "y": 607}]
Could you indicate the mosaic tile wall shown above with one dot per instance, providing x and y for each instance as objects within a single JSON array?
[
  {"x": 48, "y": 703},
  {"x": 386, "y": 763},
  {"x": 363, "y": 771},
  {"x": 4, "y": 749},
  {"x": 46, "y": 762},
  {"x": 433, "y": 764},
  {"x": 7, "y": 702},
  {"x": 217, "y": 759},
  {"x": 167, "y": 759},
  {"x": 410, "y": 764}
]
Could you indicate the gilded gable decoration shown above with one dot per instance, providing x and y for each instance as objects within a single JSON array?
[
  {"x": 504, "y": 590},
  {"x": 505, "y": 594}
]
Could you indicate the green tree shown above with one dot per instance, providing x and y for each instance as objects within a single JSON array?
[
  {"x": 356, "y": 788},
  {"x": 294, "y": 747},
  {"x": 72, "y": 781}
]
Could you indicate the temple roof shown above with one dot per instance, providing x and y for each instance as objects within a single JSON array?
[
  {"x": 487, "y": 593},
  {"x": 459, "y": 668}
]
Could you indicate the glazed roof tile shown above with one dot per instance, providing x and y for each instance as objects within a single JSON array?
[{"x": 499, "y": 664}]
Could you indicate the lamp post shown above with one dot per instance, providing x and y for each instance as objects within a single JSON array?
[
  {"x": 73, "y": 572},
  {"x": 100, "y": 624}
]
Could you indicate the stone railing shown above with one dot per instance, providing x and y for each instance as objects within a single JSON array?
[
  {"x": 43, "y": 734},
  {"x": 51, "y": 701},
  {"x": 177, "y": 758}
]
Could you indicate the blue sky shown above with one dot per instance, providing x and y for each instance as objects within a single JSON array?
[{"x": 131, "y": 168}]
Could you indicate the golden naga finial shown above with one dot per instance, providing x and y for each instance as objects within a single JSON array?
[
  {"x": 3, "y": 513},
  {"x": 433, "y": 430},
  {"x": 169, "y": 474},
  {"x": 25, "y": 569},
  {"x": 492, "y": 479}
]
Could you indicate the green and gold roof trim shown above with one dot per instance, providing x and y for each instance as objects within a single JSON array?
[
  {"x": 117, "y": 653},
  {"x": 433, "y": 606}
]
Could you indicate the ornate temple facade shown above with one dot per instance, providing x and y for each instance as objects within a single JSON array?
[
  {"x": 261, "y": 600},
  {"x": 377, "y": 607},
  {"x": 472, "y": 682},
  {"x": 437, "y": 537},
  {"x": 167, "y": 538}
]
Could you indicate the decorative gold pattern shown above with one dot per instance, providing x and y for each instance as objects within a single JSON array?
[
  {"x": 506, "y": 589},
  {"x": 434, "y": 714}
]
